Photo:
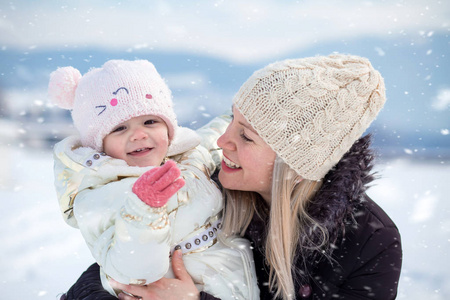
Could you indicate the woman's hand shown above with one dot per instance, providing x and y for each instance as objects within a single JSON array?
[{"x": 181, "y": 288}]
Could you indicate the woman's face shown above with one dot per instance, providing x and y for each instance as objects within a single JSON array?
[{"x": 248, "y": 160}]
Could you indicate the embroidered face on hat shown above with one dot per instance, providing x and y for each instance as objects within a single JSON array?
[{"x": 107, "y": 96}]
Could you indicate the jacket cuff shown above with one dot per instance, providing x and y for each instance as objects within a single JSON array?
[{"x": 135, "y": 210}]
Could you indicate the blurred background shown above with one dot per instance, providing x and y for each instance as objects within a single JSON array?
[{"x": 205, "y": 50}]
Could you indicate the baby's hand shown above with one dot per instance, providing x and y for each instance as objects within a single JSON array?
[{"x": 156, "y": 186}]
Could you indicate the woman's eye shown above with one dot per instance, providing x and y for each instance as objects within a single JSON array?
[
  {"x": 245, "y": 138},
  {"x": 120, "y": 128}
]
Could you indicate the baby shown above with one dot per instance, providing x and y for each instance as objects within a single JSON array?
[{"x": 132, "y": 204}]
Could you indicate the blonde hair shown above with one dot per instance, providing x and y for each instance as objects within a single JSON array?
[{"x": 288, "y": 221}]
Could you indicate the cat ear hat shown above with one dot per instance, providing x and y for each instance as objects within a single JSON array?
[{"x": 107, "y": 96}]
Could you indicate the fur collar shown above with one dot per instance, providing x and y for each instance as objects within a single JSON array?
[{"x": 342, "y": 191}]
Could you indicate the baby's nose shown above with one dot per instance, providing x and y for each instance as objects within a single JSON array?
[{"x": 139, "y": 134}]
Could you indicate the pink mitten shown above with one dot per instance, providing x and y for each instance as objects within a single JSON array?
[{"x": 156, "y": 186}]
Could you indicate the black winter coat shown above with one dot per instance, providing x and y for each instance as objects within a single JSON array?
[
  {"x": 363, "y": 260},
  {"x": 366, "y": 265}
]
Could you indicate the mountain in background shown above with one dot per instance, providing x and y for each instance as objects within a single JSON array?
[{"x": 415, "y": 120}]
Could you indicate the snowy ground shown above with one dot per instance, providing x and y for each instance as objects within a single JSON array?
[{"x": 41, "y": 256}]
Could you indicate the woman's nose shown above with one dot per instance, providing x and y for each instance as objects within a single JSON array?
[
  {"x": 225, "y": 142},
  {"x": 220, "y": 141}
]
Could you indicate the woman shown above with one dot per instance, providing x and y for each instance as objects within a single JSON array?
[{"x": 295, "y": 170}]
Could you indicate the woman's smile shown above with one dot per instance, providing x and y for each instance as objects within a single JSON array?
[{"x": 228, "y": 164}]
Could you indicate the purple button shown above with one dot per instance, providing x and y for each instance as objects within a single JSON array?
[{"x": 305, "y": 291}]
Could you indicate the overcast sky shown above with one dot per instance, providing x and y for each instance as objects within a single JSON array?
[{"x": 238, "y": 31}]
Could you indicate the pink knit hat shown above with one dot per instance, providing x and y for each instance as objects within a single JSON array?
[{"x": 105, "y": 97}]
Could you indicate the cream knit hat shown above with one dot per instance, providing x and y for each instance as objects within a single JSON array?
[
  {"x": 311, "y": 111},
  {"x": 105, "y": 97}
]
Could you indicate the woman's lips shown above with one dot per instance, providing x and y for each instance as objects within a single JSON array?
[
  {"x": 229, "y": 166},
  {"x": 229, "y": 163}
]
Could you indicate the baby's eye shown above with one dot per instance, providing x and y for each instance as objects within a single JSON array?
[
  {"x": 150, "y": 122},
  {"x": 117, "y": 129}
]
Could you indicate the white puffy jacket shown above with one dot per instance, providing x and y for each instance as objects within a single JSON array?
[{"x": 132, "y": 241}]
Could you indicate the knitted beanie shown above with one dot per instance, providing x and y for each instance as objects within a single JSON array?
[
  {"x": 310, "y": 111},
  {"x": 105, "y": 97}
]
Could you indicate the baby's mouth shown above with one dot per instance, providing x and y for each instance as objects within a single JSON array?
[
  {"x": 230, "y": 164},
  {"x": 140, "y": 150}
]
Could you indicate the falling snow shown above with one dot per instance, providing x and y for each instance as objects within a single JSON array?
[{"x": 407, "y": 41}]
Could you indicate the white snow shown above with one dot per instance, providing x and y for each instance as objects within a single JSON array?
[
  {"x": 41, "y": 256},
  {"x": 415, "y": 195},
  {"x": 442, "y": 100}
]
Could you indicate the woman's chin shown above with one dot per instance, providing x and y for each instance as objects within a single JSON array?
[{"x": 225, "y": 180}]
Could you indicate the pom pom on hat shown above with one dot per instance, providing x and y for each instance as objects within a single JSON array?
[{"x": 62, "y": 86}]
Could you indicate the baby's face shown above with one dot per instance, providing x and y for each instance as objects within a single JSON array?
[{"x": 141, "y": 141}]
